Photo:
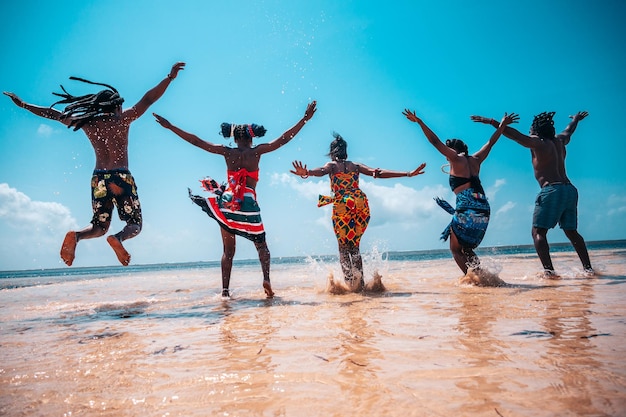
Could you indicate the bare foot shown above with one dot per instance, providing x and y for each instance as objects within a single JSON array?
[
  {"x": 548, "y": 274},
  {"x": 225, "y": 292},
  {"x": 118, "y": 248},
  {"x": 589, "y": 272},
  {"x": 482, "y": 278},
  {"x": 268, "y": 289},
  {"x": 68, "y": 248}
]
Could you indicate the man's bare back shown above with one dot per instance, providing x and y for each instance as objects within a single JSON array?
[{"x": 548, "y": 158}]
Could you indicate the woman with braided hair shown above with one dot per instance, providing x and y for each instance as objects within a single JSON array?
[
  {"x": 106, "y": 125},
  {"x": 351, "y": 213},
  {"x": 234, "y": 205}
]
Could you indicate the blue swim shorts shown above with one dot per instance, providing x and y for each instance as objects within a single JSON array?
[{"x": 556, "y": 203}]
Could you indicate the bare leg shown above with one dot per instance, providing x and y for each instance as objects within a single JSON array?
[
  {"x": 350, "y": 259},
  {"x": 264, "y": 258},
  {"x": 115, "y": 241},
  {"x": 345, "y": 262},
  {"x": 543, "y": 249},
  {"x": 68, "y": 248},
  {"x": 357, "y": 262},
  {"x": 122, "y": 255},
  {"x": 458, "y": 253},
  {"x": 228, "y": 239},
  {"x": 581, "y": 248}
]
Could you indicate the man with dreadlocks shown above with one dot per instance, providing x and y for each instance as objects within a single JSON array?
[
  {"x": 557, "y": 202},
  {"x": 106, "y": 125}
]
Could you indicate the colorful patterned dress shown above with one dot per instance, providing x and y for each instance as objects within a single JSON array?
[
  {"x": 351, "y": 212},
  {"x": 234, "y": 206}
]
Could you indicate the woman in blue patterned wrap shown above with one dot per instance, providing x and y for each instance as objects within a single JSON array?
[{"x": 470, "y": 218}]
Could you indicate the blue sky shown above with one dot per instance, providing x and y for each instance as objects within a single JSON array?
[{"x": 262, "y": 62}]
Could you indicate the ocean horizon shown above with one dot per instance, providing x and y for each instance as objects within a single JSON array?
[{"x": 419, "y": 255}]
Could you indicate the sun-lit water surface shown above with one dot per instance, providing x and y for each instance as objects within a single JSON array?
[{"x": 163, "y": 342}]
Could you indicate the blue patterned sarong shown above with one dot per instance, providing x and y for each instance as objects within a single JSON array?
[{"x": 470, "y": 218}]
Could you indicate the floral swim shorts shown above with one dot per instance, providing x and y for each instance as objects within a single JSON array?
[{"x": 114, "y": 187}]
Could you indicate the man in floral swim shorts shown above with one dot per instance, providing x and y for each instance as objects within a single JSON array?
[{"x": 106, "y": 125}]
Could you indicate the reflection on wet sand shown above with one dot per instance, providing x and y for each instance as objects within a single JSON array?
[{"x": 155, "y": 344}]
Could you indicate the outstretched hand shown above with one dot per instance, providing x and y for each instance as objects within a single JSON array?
[
  {"x": 411, "y": 115},
  {"x": 578, "y": 116},
  {"x": 310, "y": 111},
  {"x": 507, "y": 119},
  {"x": 481, "y": 119},
  {"x": 299, "y": 169},
  {"x": 18, "y": 101},
  {"x": 175, "y": 68},
  {"x": 417, "y": 171},
  {"x": 162, "y": 121}
]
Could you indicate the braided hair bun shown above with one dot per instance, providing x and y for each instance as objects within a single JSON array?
[{"x": 248, "y": 131}]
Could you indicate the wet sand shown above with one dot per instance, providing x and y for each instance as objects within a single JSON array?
[{"x": 167, "y": 344}]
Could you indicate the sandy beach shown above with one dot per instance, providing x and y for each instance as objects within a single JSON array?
[{"x": 165, "y": 343}]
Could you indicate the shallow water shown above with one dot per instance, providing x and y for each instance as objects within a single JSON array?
[{"x": 165, "y": 343}]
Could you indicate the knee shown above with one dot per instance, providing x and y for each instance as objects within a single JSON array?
[
  {"x": 539, "y": 233},
  {"x": 100, "y": 229},
  {"x": 229, "y": 252},
  {"x": 573, "y": 235}
]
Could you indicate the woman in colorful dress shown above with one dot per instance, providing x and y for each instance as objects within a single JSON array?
[
  {"x": 351, "y": 213},
  {"x": 470, "y": 218},
  {"x": 234, "y": 204}
]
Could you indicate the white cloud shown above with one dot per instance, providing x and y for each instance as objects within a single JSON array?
[
  {"x": 394, "y": 200},
  {"x": 401, "y": 202},
  {"x": 30, "y": 231},
  {"x": 616, "y": 204},
  {"x": 18, "y": 211},
  {"x": 44, "y": 130},
  {"x": 506, "y": 207},
  {"x": 493, "y": 190},
  {"x": 307, "y": 188}
]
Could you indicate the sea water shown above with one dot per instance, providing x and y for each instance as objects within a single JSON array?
[{"x": 159, "y": 340}]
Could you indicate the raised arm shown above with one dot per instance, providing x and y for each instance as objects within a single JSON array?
[
  {"x": 387, "y": 173},
  {"x": 507, "y": 119},
  {"x": 155, "y": 93},
  {"x": 511, "y": 133},
  {"x": 289, "y": 134},
  {"x": 449, "y": 153},
  {"x": 191, "y": 138},
  {"x": 47, "y": 112},
  {"x": 566, "y": 134}
]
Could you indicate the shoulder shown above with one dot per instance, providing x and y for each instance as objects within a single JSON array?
[{"x": 129, "y": 115}]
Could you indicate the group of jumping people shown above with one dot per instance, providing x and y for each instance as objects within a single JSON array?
[{"x": 234, "y": 205}]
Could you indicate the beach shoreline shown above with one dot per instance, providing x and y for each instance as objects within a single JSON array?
[{"x": 166, "y": 343}]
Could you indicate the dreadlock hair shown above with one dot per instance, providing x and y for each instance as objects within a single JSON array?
[
  {"x": 83, "y": 109},
  {"x": 338, "y": 148},
  {"x": 458, "y": 145},
  {"x": 543, "y": 125},
  {"x": 247, "y": 131}
]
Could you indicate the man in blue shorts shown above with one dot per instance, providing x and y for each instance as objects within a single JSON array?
[{"x": 557, "y": 202}]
